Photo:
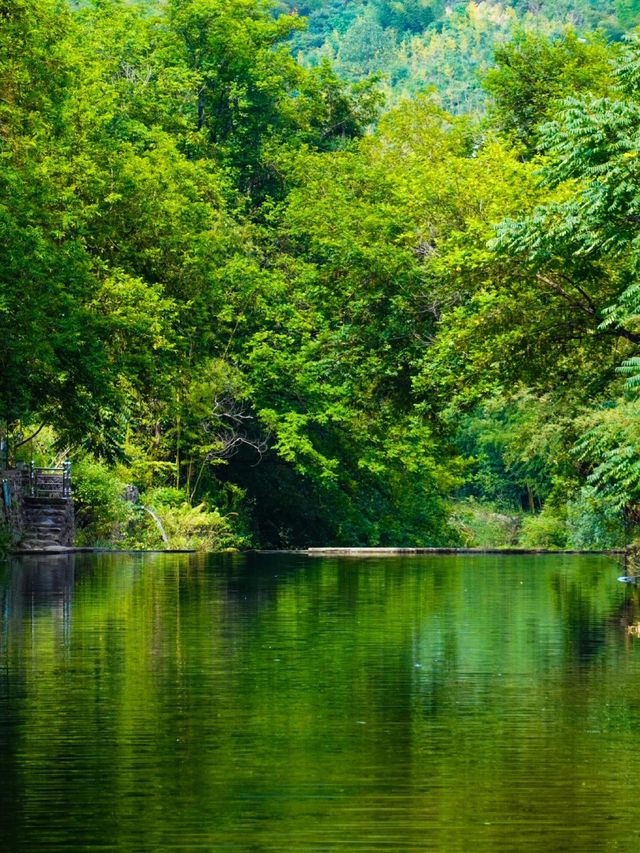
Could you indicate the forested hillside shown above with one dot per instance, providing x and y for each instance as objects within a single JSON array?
[
  {"x": 220, "y": 286},
  {"x": 411, "y": 45}
]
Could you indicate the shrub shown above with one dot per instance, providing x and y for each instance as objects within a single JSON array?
[
  {"x": 484, "y": 525},
  {"x": 101, "y": 512},
  {"x": 546, "y": 530},
  {"x": 594, "y": 522},
  {"x": 166, "y": 510}
]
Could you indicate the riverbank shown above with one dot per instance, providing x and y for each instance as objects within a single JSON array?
[
  {"x": 329, "y": 552},
  {"x": 394, "y": 552}
]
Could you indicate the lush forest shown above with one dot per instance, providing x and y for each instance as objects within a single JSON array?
[
  {"x": 413, "y": 45},
  {"x": 282, "y": 304}
]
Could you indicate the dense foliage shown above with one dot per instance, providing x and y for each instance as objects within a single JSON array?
[
  {"x": 412, "y": 45},
  {"x": 219, "y": 289}
]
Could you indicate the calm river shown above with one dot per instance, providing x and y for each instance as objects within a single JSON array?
[{"x": 288, "y": 703}]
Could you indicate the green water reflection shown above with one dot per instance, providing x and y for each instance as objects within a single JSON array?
[{"x": 287, "y": 703}]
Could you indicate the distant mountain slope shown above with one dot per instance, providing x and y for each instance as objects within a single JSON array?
[{"x": 417, "y": 44}]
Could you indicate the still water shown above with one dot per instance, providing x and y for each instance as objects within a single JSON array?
[{"x": 288, "y": 703}]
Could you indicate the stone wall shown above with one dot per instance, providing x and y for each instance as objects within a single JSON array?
[{"x": 12, "y": 517}]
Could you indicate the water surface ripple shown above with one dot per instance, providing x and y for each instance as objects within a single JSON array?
[{"x": 285, "y": 703}]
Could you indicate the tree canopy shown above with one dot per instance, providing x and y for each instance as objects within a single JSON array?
[{"x": 229, "y": 274}]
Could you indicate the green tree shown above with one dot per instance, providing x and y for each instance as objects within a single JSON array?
[
  {"x": 533, "y": 73},
  {"x": 71, "y": 326}
]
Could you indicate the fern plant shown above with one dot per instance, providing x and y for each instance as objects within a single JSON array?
[{"x": 610, "y": 447}]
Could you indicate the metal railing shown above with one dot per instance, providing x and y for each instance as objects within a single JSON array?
[{"x": 50, "y": 482}]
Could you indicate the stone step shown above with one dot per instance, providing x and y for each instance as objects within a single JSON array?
[
  {"x": 47, "y": 513},
  {"x": 47, "y": 507},
  {"x": 56, "y": 501},
  {"x": 45, "y": 529},
  {"x": 46, "y": 510},
  {"x": 43, "y": 537},
  {"x": 42, "y": 514},
  {"x": 46, "y": 519}
]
